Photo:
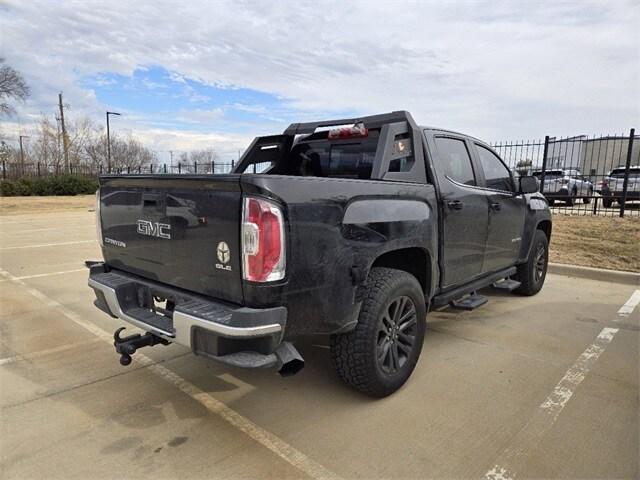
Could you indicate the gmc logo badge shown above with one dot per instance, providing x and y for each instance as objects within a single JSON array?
[{"x": 154, "y": 229}]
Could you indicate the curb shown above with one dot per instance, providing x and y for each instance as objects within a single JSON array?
[{"x": 616, "y": 276}]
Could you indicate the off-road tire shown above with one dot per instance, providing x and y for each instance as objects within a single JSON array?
[
  {"x": 532, "y": 273},
  {"x": 355, "y": 354}
]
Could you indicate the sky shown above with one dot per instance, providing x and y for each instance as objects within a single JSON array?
[{"x": 202, "y": 74}]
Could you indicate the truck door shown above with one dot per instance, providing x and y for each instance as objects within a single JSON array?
[
  {"x": 464, "y": 210},
  {"x": 506, "y": 211}
]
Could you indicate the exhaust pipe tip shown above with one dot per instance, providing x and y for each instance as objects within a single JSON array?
[{"x": 290, "y": 361}]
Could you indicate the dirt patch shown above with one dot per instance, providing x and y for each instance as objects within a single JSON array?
[
  {"x": 602, "y": 242},
  {"x": 22, "y": 205}
]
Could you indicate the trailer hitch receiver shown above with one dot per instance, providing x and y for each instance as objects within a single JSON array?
[{"x": 127, "y": 346}]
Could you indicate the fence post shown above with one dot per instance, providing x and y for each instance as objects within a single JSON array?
[
  {"x": 213, "y": 167},
  {"x": 128, "y": 169},
  {"x": 632, "y": 134},
  {"x": 151, "y": 168},
  {"x": 254, "y": 168},
  {"x": 38, "y": 169},
  {"x": 179, "y": 167},
  {"x": 544, "y": 163},
  {"x": 195, "y": 167},
  {"x": 4, "y": 170},
  {"x": 165, "y": 168},
  {"x": 232, "y": 164},
  {"x": 71, "y": 168}
]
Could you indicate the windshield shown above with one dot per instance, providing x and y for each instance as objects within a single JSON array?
[
  {"x": 619, "y": 173},
  {"x": 549, "y": 174}
]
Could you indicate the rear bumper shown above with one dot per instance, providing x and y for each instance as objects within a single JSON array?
[{"x": 239, "y": 336}]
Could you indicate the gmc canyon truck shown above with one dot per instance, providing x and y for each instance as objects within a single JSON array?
[{"x": 352, "y": 228}]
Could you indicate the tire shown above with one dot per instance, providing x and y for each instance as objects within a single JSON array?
[
  {"x": 359, "y": 355},
  {"x": 607, "y": 202},
  {"x": 587, "y": 200},
  {"x": 571, "y": 200},
  {"x": 532, "y": 273}
]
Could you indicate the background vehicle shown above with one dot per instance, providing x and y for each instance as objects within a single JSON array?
[
  {"x": 565, "y": 185},
  {"x": 353, "y": 231},
  {"x": 611, "y": 188}
]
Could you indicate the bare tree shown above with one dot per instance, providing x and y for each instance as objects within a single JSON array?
[{"x": 12, "y": 87}]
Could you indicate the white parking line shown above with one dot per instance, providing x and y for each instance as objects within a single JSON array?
[
  {"x": 549, "y": 410},
  {"x": 632, "y": 303},
  {"x": 44, "y": 353},
  {"x": 64, "y": 272},
  {"x": 267, "y": 439},
  {"x": 47, "y": 245}
]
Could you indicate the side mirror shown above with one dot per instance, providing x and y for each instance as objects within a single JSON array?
[{"x": 528, "y": 184}]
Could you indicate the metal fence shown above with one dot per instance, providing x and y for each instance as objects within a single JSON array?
[
  {"x": 581, "y": 175},
  {"x": 14, "y": 171}
]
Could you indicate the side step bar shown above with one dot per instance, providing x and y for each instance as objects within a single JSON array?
[{"x": 457, "y": 293}]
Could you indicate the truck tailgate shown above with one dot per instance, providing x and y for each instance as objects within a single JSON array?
[{"x": 180, "y": 230}]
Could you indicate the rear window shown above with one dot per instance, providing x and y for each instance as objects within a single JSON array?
[{"x": 317, "y": 156}]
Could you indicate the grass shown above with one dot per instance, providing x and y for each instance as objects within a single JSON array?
[
  {"x": 590, "y": 241},
  {"x": 594, "y": 241},
  {"x": 26, "y": 205}
]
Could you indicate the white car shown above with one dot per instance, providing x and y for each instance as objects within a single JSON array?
[
  {"x": 611, "y": 188},
  {"x": 566, "y": 185}
]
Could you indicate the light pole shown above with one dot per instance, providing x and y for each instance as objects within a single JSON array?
[
  {"x": 22, "y": 152},
  {"x": 109, "y": 142}
]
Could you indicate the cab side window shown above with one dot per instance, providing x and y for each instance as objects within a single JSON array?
[
  {"x": 456, "y": 160},
  {"x": 496, "y": 174}
]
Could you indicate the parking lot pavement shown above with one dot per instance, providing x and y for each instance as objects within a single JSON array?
[{"x": 545, "y": 386}]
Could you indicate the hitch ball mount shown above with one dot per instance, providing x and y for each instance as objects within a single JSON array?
[{"x": 127, "y": 346}]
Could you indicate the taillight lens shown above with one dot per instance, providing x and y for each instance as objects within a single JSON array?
[
  {"x": 263, "y": 242},
  {"x": 98, "y": 219}
]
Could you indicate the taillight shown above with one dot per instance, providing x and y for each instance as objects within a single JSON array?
[
  {"x": 263, "y": 242},
  {"x": 98, "y": 219}
]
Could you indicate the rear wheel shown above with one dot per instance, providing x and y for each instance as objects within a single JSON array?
[
  {"x": 379, "y": 355},
  {"x": 587, "y": 199},
  {"x": 571, "y": 200},
  {"x": 607, "y": 202},
  {"x": 532, "y": 273}
]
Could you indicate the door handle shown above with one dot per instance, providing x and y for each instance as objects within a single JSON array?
[
  {"x": 496, "y": 206},
  {"x": 455, "y": 205}
]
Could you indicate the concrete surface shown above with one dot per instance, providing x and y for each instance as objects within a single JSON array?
[{"x": 545, "y": 386}]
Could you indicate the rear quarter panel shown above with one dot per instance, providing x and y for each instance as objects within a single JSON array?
[{"x": 337, "y": 228}]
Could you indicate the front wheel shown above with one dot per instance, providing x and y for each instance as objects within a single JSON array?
[
  {"x": 571, "y": 200},
  {"x": 379, "y": 355},
  {"x": 532, "y": 273}
]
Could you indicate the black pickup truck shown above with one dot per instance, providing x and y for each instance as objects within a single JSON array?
[{"x": 352, "y": 228}]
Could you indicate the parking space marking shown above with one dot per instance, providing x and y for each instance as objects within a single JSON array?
[
  {"x": 267, "y": 439},
  {"x": 549, "y": 410},
  {"x": 64, "y": 272},
  {"x": 44, "y": 353},
  {"x": 46, "y": 245},
  {"x": 632, "y": 303}
]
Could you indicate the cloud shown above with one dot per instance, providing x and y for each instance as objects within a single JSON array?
[{"x": 493, "y": 69}]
